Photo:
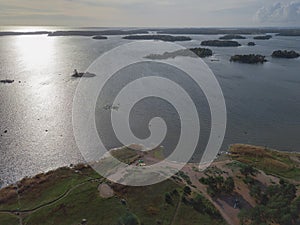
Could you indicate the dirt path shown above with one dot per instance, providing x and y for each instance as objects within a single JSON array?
[
  {"x": 229, "y": 214},
  {"x": 177, "y": 210},
  {"x": 64, "y": 195}
]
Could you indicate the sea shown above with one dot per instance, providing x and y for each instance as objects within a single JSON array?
[{"x": 262, "y": 101}]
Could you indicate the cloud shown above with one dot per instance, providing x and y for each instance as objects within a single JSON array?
[{"x": 279, "y": 13}]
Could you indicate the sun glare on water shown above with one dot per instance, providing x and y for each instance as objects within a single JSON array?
[{"x": 35, "y": 51}]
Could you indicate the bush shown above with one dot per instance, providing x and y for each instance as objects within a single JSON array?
[
  {"x": 187, "y": 190},
  {"x": 168, "y": 199},
  {"x": 129, "y": 219}
]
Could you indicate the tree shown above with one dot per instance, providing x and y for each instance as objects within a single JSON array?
[
  {"x": 229, "y": 185},
  {"x": 168, "y": 199},
  {"x": 187, "y": 190}
]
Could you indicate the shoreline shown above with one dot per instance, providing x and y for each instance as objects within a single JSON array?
[{"x": 108, "y": 154}]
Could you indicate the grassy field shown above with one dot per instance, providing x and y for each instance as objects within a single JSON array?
[
  {"x": 69, "y": 195},
  {"x": 282, "y": 164}
]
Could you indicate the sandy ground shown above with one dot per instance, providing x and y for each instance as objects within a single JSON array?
[{"x": 105, "y": 191}]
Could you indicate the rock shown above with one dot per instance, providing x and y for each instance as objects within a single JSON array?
[
  {"x": 251, "y": 44},
  {"x": 218, "y": 43},
  {"x": 250, "y": 59},
  {"x": 285, "y": 54},
  {"x": 232, "y": 36},
  {"x": 263, "y": 37},
  {"x": 7, "y": 81},
  {"x": 5, "y": 131}
]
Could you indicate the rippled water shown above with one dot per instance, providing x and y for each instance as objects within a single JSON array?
[{"x": 263, "y": 101}]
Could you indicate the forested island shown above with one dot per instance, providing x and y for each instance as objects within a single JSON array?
[
  {"x": 251, "y": 44},
  {"x": 96, "y": 33},
  {"x": 218, "y": 43},
  {"x": 285, "y": 54},
  {"x": 263, "y": 37},
  {"x": 250, "y": 59},
  {"x": 232, "y": 36},
  {"x": 99, "y": 37},
  {"x": 158, "y": 37}
]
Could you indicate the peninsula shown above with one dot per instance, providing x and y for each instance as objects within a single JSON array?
[{"x": 246, "y": 185}]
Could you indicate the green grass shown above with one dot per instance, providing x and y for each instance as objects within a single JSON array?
[
  {"x": 82, "y": 203},
  {"x": 51, "y": 189},
  {"x": 187, "y": 216},
  {"x": 9, "y": 219},
  {"x": 270, "y": 161}
]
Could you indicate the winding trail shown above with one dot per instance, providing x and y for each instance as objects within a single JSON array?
[
  {"x": 177, "y": 209},
  {"x": 64, "y": 195}
]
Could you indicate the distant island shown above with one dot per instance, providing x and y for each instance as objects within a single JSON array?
[
  {"x": 96, "y": 33},
  {"x": 158, "y": 37},
  {"x": 251, "y": 44},
  {"x": 202, "y": 52},
  {"x": 99, "y": 37},
  {"x": 264, "y": 37},
  {"x": 173, "y": 31},
  {"x": 192, "y": 52},
  {"x": 285, "y": 54},
  {"x": 290, "y": 32},
  {"x": 250, "y": 59},
  {"x": 241, "y": 31},
  {"x": 218, "y": 43},
  {"x": 7, "y": 81},
  {"x": 232, "y": 36},
  {"x": 10, "y": 33}
]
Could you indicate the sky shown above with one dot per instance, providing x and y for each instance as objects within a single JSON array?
[{"x": 151, "y": 13}]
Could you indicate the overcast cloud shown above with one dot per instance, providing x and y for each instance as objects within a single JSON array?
[
  {"x": 156, "y": 13},
  {"x": 280, "y": 13}
]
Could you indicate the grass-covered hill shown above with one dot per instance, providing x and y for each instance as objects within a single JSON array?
[{"x": 248, "y": 185}]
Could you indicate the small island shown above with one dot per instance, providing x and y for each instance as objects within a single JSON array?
[
  {"x": 7, "y": 81},
  {"x": 263, "y": 37},
  {"x": 251, "y": 44},
  {"x": 158, "y": 37},
  {"x": 99, "y": 37},
  {"x": 285, "y": 54},
  {"x": 202, "y": 52},
  {"x": 250, "y": 59},
  {"x": 232, "y": 36},
  {"x": 218, "y": 43}
]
